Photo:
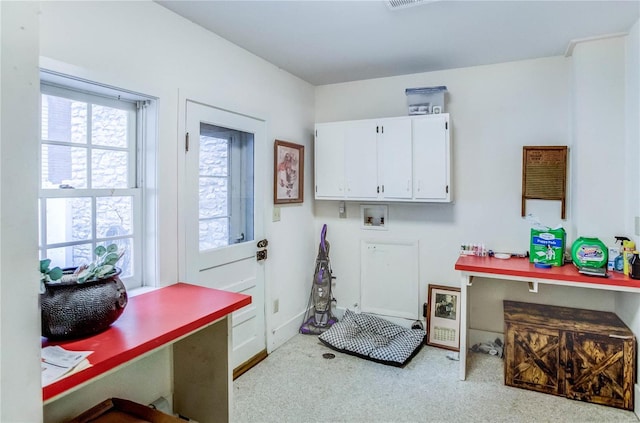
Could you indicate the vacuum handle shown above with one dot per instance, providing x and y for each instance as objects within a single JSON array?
[{"x": 323, "y": 234}]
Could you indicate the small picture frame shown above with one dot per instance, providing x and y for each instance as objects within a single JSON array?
[
  {"x": 288, "y": 172},
  {"x": 443, "y": 317},
  {"x": 436, "y": 110}
]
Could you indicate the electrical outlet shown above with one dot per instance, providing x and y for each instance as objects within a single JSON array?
[
  {"x": 276, "y": 214},
  {"x": 342, "y": 210},
  {"x": 276, "y": 306}
]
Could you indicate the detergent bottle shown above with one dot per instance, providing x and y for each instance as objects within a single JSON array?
[
  {"x": 618, "y": 261},
  {"x": 627, "y": 252},
  {"x": 634, "y": 266}
]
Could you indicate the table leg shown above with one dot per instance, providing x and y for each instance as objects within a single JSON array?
[
  {"x": 202, "y": 380},
  {"x": 465, "y": 283}
]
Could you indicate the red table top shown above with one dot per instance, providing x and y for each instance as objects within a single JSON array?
[
  {"x": 521, "y": 267},
  {"x": 149, "y": 321}
]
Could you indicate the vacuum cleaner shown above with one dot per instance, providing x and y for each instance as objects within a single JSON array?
[{"x": 319, "y": 317}]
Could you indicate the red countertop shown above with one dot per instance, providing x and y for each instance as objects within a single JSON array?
[
  {"x": 521, "y": 267},
  {"x": 149, "y": 321}
]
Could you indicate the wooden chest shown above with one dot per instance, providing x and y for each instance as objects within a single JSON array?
[{"x": 581, "y": 354}]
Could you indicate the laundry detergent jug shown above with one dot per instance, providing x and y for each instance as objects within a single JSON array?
[{"x": 589, "y": 252}]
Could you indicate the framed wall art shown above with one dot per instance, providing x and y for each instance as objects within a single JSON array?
[
  {"x": 288, "y": 172},
  {"x": 443, "y": 317}
]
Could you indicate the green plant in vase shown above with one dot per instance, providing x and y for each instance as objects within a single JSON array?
[
  {"x": 102, "y": 267},
  {"x": 48, "y": 275}
]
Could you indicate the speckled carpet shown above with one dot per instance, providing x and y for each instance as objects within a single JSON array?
[{"x": 296, "y": 384}]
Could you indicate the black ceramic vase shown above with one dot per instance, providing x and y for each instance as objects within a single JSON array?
[{"x": 76, "y": 310}]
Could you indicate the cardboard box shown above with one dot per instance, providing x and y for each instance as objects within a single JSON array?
[
  {"x": 116, "y": 410},
  {"x": 547, "y": 246}
]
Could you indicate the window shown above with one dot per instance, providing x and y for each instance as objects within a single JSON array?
[
  {"x": 225, "y": 187},
  {"x": 90, "y": 174}
]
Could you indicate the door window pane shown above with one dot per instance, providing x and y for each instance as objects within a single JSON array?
[
  {"x": 213, "y": 197},
  {"x": 225, "y": 186},
  {"x": 214, "y": 155},
  {"x": 214, "y": 233}
]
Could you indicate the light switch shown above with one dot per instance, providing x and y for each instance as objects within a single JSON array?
[{"x": 276, "y": 214}]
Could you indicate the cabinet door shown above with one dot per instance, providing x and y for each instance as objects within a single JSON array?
[
  {"x": 431, "y": 158},
  {"x": 329, "y": 160},
  {"x": 360, "y": 155},
  {"x": 532, "y": 358},
  {"x": 394, "y": 157},
  {"x": 600, "y": 369}
]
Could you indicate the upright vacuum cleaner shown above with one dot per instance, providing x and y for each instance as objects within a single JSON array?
[{"x": 319, "y": 317}]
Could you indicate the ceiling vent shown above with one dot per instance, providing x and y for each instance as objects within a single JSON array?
[{"x": 403, "y": 4}]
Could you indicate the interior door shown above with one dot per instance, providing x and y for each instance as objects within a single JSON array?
[{"x": 224, "y": 223}]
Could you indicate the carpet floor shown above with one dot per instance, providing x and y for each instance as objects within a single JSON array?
[{"x": 296, "y": 384}]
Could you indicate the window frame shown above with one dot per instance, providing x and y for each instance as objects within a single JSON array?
[{"x": 141, "y": 170}]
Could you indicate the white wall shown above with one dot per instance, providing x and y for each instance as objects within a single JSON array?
[
  {"x": 142, "y": 47},
  {"x": 598, "y": 87},
  {"x": 495, "y": 111},
  {"x": 19, "y": 311},
  {"x": 628, "y": 305}
]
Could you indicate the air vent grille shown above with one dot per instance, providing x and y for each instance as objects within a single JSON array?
[{"x": 403, "y": 4}]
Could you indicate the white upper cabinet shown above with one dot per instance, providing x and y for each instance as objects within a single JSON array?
[
  {"x": 431, "y": 159},
  {"x": 360, "y": 158},
  {"x": 394, "y": 158},
  {"x": 330, "y": 160},
  {"x": 390, "y": 159}
]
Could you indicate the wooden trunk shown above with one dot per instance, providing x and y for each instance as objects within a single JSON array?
[{"x": 581, "y": 354}]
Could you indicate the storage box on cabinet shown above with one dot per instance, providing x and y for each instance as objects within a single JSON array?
[
  {"x": 391, "y": 159},
  {"x": 581, "y": 354}
]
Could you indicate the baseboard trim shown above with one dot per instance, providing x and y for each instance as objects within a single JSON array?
[
  {"x": 284, "y": 332},
  {"x": 241, "y": 369}
]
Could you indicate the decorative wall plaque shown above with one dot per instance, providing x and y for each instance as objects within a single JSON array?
[{"x": 544, "y": 175}]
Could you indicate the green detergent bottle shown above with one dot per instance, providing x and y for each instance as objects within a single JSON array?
[{"x": 589, "y": 252}]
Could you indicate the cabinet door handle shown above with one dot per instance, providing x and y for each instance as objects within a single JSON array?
[
  {"x": 408, "y": 184},
  {"x": 378, "y": 189}
]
